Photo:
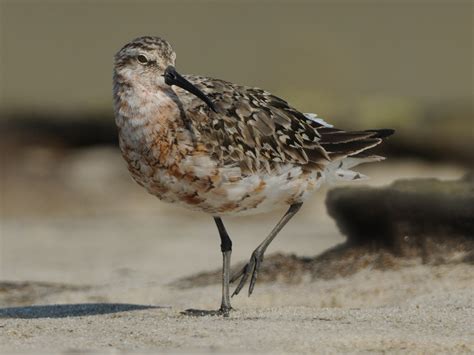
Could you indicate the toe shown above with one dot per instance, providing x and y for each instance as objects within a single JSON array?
[
  {"x": 253, "y": 280},
  {"x": 248, "y": 270},
  {"x": 204, "y": 313},
  {"x": 236, "y": 276}
]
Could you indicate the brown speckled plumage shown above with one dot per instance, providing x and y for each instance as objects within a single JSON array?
[{"x": 254, "y": 153}]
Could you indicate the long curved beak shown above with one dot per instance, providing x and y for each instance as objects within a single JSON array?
[{"x": 172, "y": 77}]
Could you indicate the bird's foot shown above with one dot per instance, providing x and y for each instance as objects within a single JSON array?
[
  {"x": 251, "y": 268},
  {"x": 223, "y": 312}
]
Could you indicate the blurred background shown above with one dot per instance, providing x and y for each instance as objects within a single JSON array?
[{"x": 66, "y": 197}]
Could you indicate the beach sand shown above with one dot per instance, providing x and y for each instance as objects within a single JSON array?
[{"x": 88, "y": 259}]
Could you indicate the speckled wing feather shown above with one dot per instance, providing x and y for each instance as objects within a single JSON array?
[{"x": 255, "y": 129}]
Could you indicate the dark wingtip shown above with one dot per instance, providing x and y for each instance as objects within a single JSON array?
[{"x": 382, "y": 133}]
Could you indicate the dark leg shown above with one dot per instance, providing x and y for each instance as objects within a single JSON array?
[
  {"x": 226, "y": 248},
  {"x": 256, "y": 259}
]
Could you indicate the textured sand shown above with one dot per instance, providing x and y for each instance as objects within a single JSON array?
[{"x": 106, "y": 253}]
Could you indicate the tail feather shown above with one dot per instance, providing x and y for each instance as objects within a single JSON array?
[
  {"x": 344, "y": 137},
  {"x": 339, "y": 144},
  {"x": 381, "y": 133},
  {"x": 340, "y": 170},
  {"x": 340, "y": 150},
  {"x": 348, "y": 149},
  {"x": 350, "y": 162}
]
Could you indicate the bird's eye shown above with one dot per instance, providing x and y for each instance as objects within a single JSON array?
[{"x": 142, "y": 59}]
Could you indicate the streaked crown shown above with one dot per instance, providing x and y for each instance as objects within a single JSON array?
[{"x": 145, "y": 54}]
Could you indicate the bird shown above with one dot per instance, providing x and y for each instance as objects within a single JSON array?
[{"x": 225, "y": 149}]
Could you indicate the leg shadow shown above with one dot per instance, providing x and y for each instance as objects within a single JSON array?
[{"x": 70, "y": 310}]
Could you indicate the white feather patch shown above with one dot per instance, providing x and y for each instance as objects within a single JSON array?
[
  {"x": 314, "y": 117},
  {"x": 348, "y": 175},
  {"x": 350, "y": 162}
]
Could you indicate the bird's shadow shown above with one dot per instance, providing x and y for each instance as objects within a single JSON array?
[{"x": 70, "y": 310}]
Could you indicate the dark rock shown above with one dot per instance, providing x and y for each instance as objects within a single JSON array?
[{"x": 407, "y": 217}]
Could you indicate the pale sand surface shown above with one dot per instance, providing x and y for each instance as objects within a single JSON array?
[{"x": 99, "y": 232}]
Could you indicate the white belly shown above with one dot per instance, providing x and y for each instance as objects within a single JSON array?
[{"x": 225, "y": 191}]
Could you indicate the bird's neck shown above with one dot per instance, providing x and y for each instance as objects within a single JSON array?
[
  {"x": 145, "y": 116},
  {"x": 138, "y": 104}
]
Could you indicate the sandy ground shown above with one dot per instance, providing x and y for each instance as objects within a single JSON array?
[{"x": 89, "y": 257}]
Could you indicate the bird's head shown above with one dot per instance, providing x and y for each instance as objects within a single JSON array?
[
  {"x": 150, "y": 61},
  {"x": 144, "y": 60}
]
